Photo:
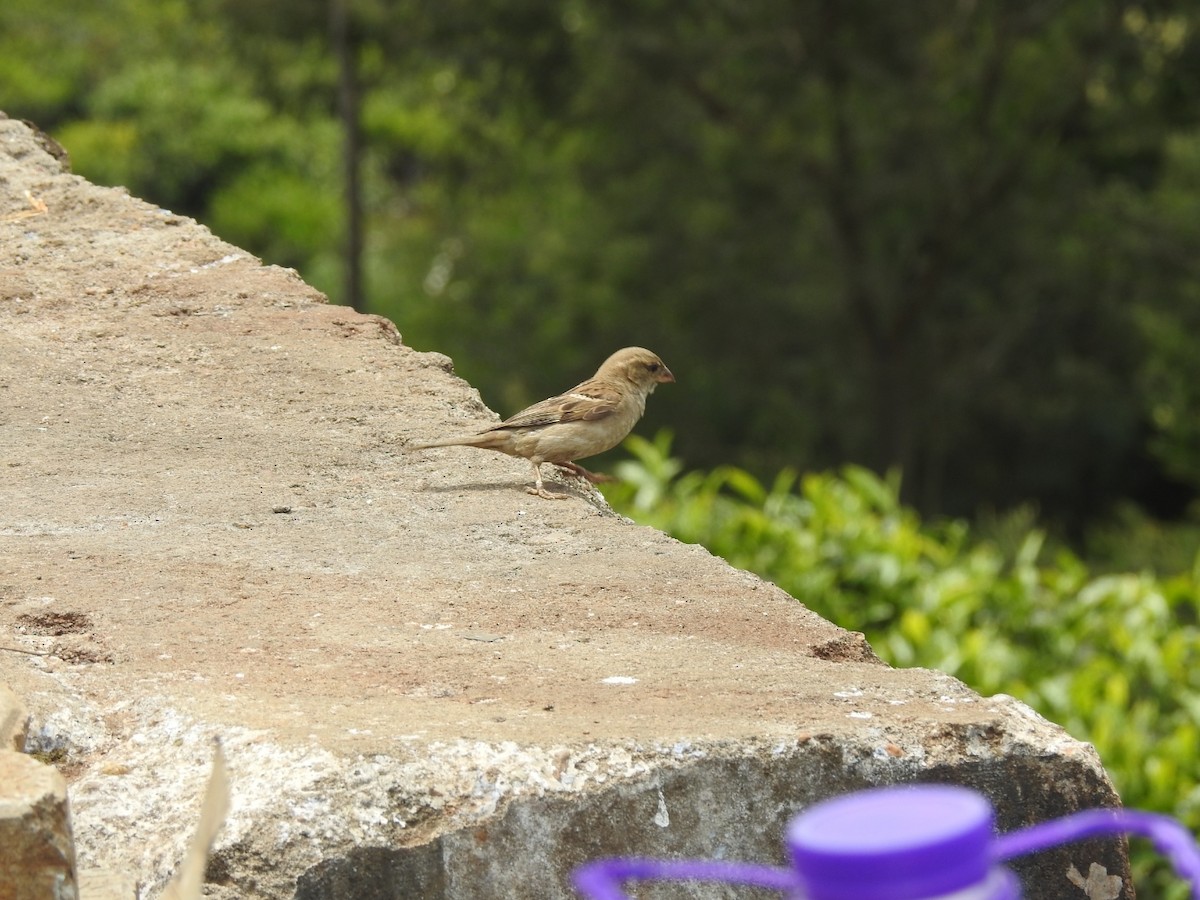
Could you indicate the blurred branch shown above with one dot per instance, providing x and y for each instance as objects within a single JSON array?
[{"x": 186, "y": 885}]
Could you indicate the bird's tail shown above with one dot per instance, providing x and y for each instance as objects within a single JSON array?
[
  {"x": 486, "y": 441},
  {"x": 442, "y": 442}
]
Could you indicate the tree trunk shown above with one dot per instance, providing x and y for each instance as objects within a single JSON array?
[{"x": 344, "y": 49}]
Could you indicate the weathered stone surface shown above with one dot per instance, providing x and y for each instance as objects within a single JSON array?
[
  {"x": 36, "y": 854},
  {"x": 14, "y": 720},
  {"x": 101, "y": 884},
  {"x": 427, "y": 682}
]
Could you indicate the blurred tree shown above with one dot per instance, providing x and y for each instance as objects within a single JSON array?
[
  {"x": 885, "y": 235},
  {"x": 1168, "y": 304},
  {"x": 873, "y": 234},
  {"x": 345, "y": 44}
]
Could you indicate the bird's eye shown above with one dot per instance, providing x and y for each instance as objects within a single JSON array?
[{"x": 653, "y": 367}]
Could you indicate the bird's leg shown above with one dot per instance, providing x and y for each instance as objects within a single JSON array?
[
  {"x": 540, "y": 491},
  {"x": 593, "y": 477}
]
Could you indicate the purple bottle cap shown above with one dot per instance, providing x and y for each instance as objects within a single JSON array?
[{"x": 901, "y": 843}]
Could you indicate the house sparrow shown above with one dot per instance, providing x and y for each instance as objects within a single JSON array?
[{"x": 588, "y": 419}]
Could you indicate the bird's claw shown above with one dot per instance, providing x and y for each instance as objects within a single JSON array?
[{"x": 545, "y": 494}]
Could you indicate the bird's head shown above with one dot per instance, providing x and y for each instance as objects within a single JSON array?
[{"x": 638, "y": 366}]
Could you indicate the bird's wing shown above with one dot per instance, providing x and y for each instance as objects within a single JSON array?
[{"x": 587, "y": 402}]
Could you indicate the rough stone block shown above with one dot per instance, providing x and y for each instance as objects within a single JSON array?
[
  {"x": 102, "y": 884},
  {"x": 37, "y": 860},
  {"x": 14, "y": 720}
]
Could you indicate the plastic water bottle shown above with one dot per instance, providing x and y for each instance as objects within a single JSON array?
[{"x": 924, "y": 842}]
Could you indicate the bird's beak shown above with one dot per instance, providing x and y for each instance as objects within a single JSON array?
[{"x": 665, "y": 376}]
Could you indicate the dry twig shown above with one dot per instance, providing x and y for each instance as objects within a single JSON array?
[{"x": 37, "y": 207}]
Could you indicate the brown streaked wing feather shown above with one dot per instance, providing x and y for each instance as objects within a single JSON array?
[{"x": 586, "y": 402}]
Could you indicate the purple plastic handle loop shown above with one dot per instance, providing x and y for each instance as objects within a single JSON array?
[
  {"x": 1166, "y": 835},
  {"x": 602, "y": 879}
]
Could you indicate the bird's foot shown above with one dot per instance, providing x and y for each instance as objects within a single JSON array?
[
  {"x": 593, "y": 477},
  {"x": 545, "y": 494}
]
